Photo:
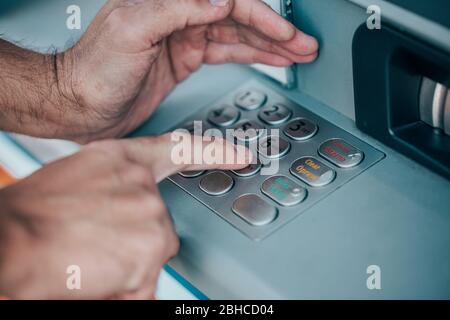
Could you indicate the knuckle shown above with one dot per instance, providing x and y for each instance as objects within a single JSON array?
[
  {"x": 135, "y": 174},
  {"x": 117, "y": 18},
  {"x": 153, "y": 205},
  {"x": 173, "y": 244}
]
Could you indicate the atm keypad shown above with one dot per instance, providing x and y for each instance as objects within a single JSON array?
[{"x": 314, "y": 158}]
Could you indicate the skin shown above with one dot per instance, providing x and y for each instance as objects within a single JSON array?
[{"x": 101, "y": 209}]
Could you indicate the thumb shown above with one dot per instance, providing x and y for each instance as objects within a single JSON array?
[
  {"x": 178, "y": 151},
  {"x": 154, "y": 20}
]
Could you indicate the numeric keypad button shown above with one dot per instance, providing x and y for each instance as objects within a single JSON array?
[
  {"x": 216, "y": 183},
  {"x": 250, "y": 99},
  {"x": 248, "y": 130},
  {"x": 249, "y": 171},
  {"x": 223, "y": 116},
  {"x": 191, "y": 174},
  {"x": 254, "y": 210},
  {"x": 275, "y": 114},
  {"x": 301, "y": 129},
  {"x": 273, "y": 147}
]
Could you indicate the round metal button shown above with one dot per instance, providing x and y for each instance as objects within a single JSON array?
[
  {"x": 275, "y": 114},
  {"x": 247, "y": 130},
  {"x": 224, "y": 116},
  {"x": 250, "y": 99},
  {"x": 301, "y": 129},
  {"x": 273, "y": 147},
  {"x": 341, "y": 153},
  {"x": 284, "y": 191},
  {"x": 254, "y": 210},
  {"x": 216, "y": 183},
  {"x": 248, "y": 171},
  {"x": 191, "y": 174},
  {"x": 313, "y": 171}
]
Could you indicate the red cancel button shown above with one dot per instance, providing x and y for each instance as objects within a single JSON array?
[{"x": 341, "y": 153}]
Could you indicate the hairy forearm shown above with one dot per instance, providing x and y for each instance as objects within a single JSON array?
[{"x": 34, "y": 97}]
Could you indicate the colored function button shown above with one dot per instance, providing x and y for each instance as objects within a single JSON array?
[
  {"x": 301, "y": 129},
  {"x": 224, "y": 116},
  {"x": 284, "y": 191},
  {"x": 275, "y": 114},
  {"x": 216, "y": 183},
  {"x": 313, "y": 172},
  {"x": 254, "y": 210},
  {"x": 248, "y": 130},
  {"x": 248, "y": 171},
  {"x": 341, "y": 153},
  {"x": 273, "y": 147},
  {"x": 250, "y": 99},
  {"x": 191, "y": 174}
]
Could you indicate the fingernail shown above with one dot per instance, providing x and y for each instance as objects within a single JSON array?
[{"x": 219, "y": 3}]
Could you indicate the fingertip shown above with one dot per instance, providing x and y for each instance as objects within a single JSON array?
[
  {"x": 288, "y": 32},
  {"x": 305, "y": 44}
]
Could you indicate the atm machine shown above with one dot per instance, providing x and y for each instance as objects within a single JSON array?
[
  {"x": 371, "y": 118},
  {"x": 379, "y": 95}
]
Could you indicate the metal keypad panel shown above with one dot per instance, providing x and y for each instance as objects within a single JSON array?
[{"x": 315, "y": 158}]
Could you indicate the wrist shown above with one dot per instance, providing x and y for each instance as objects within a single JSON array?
[
  {"x": 37, "y": 95},
  {"x": 66, "y": 94}
]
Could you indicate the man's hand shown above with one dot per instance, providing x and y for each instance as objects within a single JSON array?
[
  {"x": 99, "y": 209},
  {"x": 136, "y": 51}
]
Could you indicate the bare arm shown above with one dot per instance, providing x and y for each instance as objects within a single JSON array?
[{"x": 33, "y": 95}]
